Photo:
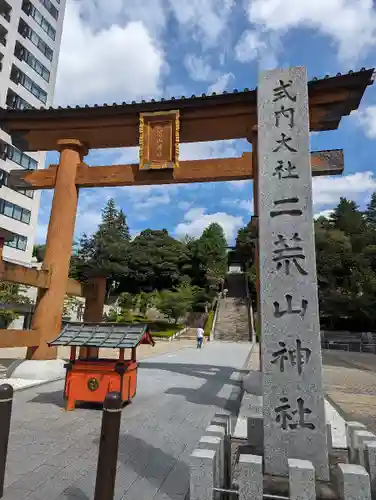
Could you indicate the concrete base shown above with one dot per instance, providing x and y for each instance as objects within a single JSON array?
[
  {"x": 51, "y": 369},
  {"x": 252, "y": 383}
]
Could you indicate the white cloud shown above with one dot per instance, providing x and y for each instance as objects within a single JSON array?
[
  {"x": 238, "y": 185},
  {"x": 41, "y": 233},
  {"x": 328, "y": 190},
  {"x": 196, "y": 220},
  {"x": 241, "y": 204},
  {"x": 153, "y": 201},
  {"x": 254, "y": 45},
  {"x": 198, "y": 68},
  {"x": 104, "y": 13},
  {"x": 206, "y": 20},
  {"x": 184, "y": 205},
  {"x": 367, "y": 119},
  {"x": 104, "y": 65},
  {"x": 212, "y": 149},
  {"x": 221, "y": 84},
  {"x": 351, "y": 24},
  {"x": 323, "y": 213}
]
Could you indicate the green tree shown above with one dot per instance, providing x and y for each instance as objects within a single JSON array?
[
  {"x": 212, "y": 253},
  {"x": 38, "y": 252},
  {"x": 155, "y": 262},
  {"x": 246, "y": 244},
  {"x": 11, "y": 296},
  {"x": 370, "y": 213},
  {"x": 106, "y": 251},
  {"x": 176, "y": 303}
]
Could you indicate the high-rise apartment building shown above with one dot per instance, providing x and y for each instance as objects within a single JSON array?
[{"x": 30, "y": 36}]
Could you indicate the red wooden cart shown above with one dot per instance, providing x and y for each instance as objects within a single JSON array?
[{"x": 90, "y": 378}]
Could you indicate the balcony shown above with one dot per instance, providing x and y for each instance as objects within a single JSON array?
[{"x": 5, "y": 10}]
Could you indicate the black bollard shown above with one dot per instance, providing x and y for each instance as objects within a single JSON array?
[
  {"x": 6, "y": 400},
  {"x": 108, "y": 447}
]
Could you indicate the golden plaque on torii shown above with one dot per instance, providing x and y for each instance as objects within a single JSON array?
[{"x": 159, "y": 140}]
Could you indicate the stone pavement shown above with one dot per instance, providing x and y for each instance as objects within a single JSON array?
[{"x": 53, "y": 453}]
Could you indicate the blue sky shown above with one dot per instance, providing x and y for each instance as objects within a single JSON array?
[{"x": 122, "y": 50}]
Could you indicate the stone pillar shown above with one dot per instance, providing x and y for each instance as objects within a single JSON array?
[
  {"x": 302, "y": 484},
  {"x": 362, "y": 437},
  {"x": 250, "y": 478},
  {"x": 329, "y": 438},
  {"x": 219, "y": 431},
  {"x": 351, "y": 427},
  {"x": 213, "y": 443},
  {"x": 293, "y": 396},
  {"x": 49, "y": 308},
  {"x": 255, "y": 174},
  {"x": 95, "y": 296},
  {"x": 202, "y": 474},
  {"x": 370, "y": 465},
  {"x": 353, "y": 482}
]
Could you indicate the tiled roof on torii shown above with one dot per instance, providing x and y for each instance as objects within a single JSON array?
[{"x": 202, "y": 118}]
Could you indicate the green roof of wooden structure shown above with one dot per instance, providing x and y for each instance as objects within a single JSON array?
[{"x": 101, "y": 335}]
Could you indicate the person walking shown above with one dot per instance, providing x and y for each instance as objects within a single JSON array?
[{"x": 200, "y": 337}]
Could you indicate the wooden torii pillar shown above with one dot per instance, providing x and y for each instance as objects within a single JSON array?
[{"x": 47, "y": 318}]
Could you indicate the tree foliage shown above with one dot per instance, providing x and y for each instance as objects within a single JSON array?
[
  {"x": 11, "y": 295},
  {"x": 345, "y": 245},
  {"x": 176, "y": 303},
  {"x": 104, "y": 253},
  {"x": 155, "y": 262}
]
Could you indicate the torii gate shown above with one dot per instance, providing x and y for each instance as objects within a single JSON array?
[{"x": 158, "y": 128}]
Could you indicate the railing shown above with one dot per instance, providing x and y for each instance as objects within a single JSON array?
[{"x": 349, "y": 347}]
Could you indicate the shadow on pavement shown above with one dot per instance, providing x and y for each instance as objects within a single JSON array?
[
  {"x": 216, "y": 377},
  {"x": 167, "y": 474},
  {"x": 73, "y": 493},
  {"x": 56, "y": 398}
]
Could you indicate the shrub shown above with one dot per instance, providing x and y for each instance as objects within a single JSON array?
[{"x": 209, "y": 324}]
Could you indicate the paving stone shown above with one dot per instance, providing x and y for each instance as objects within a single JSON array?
[
  {"x": 15, "y": 494},
  {"x": 36, "y": 478}
]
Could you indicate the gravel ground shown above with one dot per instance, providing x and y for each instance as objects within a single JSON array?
[{"x": 350, "y": 382}]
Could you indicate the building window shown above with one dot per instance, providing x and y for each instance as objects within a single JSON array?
[
  {"x": 15, "y": 211},
  {"x": 15, "y": 155},
  {"x": 3, "y": 35},
  {"x": 5, "y": 10},
  {"x": 24, "y": 55},
  {"x": 50, "y": 8},
  {"x": 18, "y": 77},
  {"x": 25, "y": 31},
  {"x": 19, "y": 242},
  {"x": 33, "y": 12},
  {"x": 4, "y": 177},
  {"x": 14, "y": 101}
]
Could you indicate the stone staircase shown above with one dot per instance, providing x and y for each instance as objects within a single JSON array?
[{"x": 232, "y": 319}]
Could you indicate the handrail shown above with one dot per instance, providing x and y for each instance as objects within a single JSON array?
[{"x": 211, "y": 337}]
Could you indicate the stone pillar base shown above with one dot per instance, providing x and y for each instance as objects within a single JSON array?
[{"x": 51, "y": 369}]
